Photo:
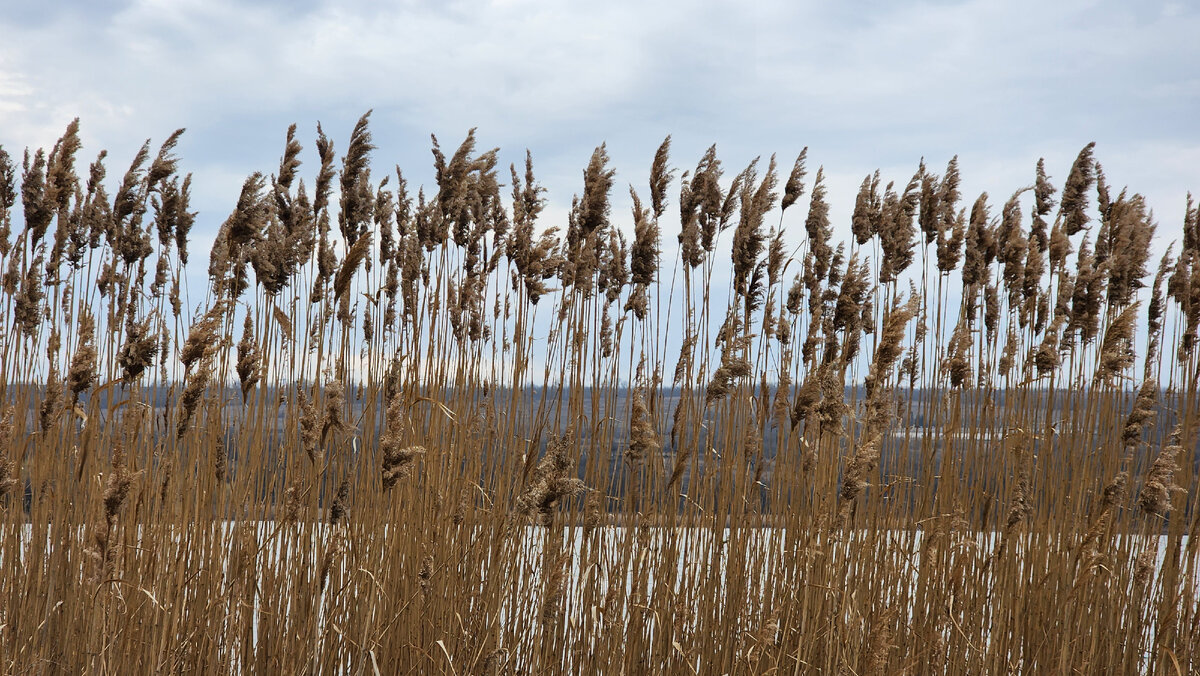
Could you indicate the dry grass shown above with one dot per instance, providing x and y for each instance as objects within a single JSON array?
[{"x": 443, "y": 438}]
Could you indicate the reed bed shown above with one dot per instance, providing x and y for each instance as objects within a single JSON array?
[{"x": 426, "y": 432}]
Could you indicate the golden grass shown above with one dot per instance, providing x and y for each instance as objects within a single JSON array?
[{"x": 442, "y": 438}]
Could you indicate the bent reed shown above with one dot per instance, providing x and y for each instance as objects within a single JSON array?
[{"x": 434, "y": 434}]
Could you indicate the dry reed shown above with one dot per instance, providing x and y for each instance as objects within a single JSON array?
[{"x": 940, "y": 446}]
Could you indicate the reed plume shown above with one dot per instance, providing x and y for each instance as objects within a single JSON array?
[
  {"x": 9, "y": 479},
  {"x": 793, "y": 189},
  {"x": 249, "y": 358},
  {"x": 551, "y": 482},
  {"x": 1073, "y": 204},
  {"x": 1155, "y": 496}
]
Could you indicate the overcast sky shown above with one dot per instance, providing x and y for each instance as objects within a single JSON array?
[{"x": 863, "y": 85}]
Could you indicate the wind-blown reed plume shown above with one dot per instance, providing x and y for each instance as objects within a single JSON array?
[
  {"x": 398, "y": 458},
  {"x": 776, "y": 260},
  {"x": 385, "y": 211},
  {"x": 118, "y": 482},
  {"x": 544, "y": 263},
  {"x": 335, "y": 404},
  {"x": 1087, "y": 296},
  {"x": 249, "y": 358},
  {"x": 859, "y": 466},
  {"x": 1059, "y": 247},
  {"x": 140, "y": 349},
  {"x": 52, "y": 400},
  {"x": 1115, "y": 492},
  {"x": 8, "y": 197},
  {"x": 325, "y": 174},
  {"x": 660, "y": 178},
  {"x": 193, "y": 393},
  {"x": 309, "y": 426},
  {"x": 1020, "y": 508},
  {"x": 950, "y": 243},
  {"x": 249, "y": 216},
  {"x": 732, "y": 369},
  {"x": 325, "y": 258},
  {"x": 897, "y": 234},
  {"x": 9, "y": 478},
  {"x": 1008, "y": 356},
  {"x": 1012, "y": 247},
  {"x": 1184, "y": 286},
  {"x": 862, "y": 463},
  {"x": 238, "y": 237},
  {"x": 594, "y": 207},
  {"x": 1116, "y": 350},
  {"x": 958, "y": 359},
  {"x": 27, "y": 309},
  {"x": 704, "y": 210},
  {"x": 587, "y": 227},
  {"x": 643, "y": 441},
  {"x": 1103, "y": 195},
  {"x": 889, "y": 349},
  {"x": 1155, "y": 310},
  {"x": 201, "y": 336},
  {"x": 39, "y": 212},
  {"x": 357, "y": 198},
  {"x": 527, "y": 204},
  {"x": 340, "y": 508},
  {"x": 748, "y": 238},
  {"x": 851, "y": 295},
  {"x": 551, "y": 481},
  {"x": 127, "y": 210},
  {"x": 951, "y": 225},
  {"x": 832, "y": 409},
  {"x": 555, "y": 567},
  {"x": 62, "y": 185},
  {"x": 690, "y": 251},
  {"x": 184, "y": 219},
  {"x": 818, "y": 228},
  {"x": 643, "y": 259},
  {"x": 1073, "y": 205},
  {"x": 84, "y": 372},
  {"x": 1046, "y": 357},
  {"x": 795, "y": 297},
  {"x": 1143, "y": 567},
  {"x": 980, "y": 247},
  {"x": 794, "y": 188},
  {"x": 614, "y": 276},
  {"x": 1191, "y": 226},
  {"x": 1142, "y": 413},
  {"x": 1155, "y": 496},
  {"x": 289, "y": 163},
  {"x": 808, "y": 395},
  {"x": 1123, "y": 246},
  {"x": 289, "y": 235},
  {"x": 354, "y": 258},
  {"x": 1043, "y": 204},
  {"x": 927, "y": 216},
  {"x": 868, "y": 210},
  {"x": 852, "y": 308},
  {"x": 165, "y": 162}
]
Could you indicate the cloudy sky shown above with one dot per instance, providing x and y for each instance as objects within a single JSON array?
[{"x": 864, "y": 85}]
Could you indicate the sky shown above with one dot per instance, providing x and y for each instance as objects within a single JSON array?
[{"x": 865, "y": 86}]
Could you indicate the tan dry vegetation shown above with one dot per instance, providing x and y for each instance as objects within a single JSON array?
[{"x": 953, "y": 444}]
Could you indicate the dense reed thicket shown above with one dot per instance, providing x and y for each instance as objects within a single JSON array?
[{"x": 432, "y": 433}]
